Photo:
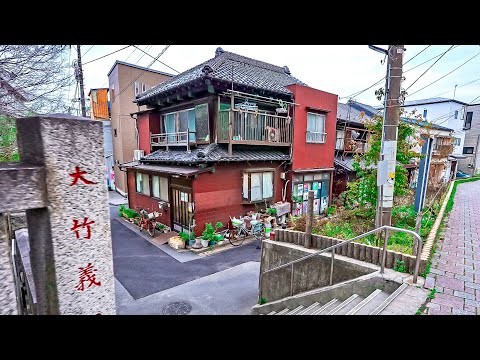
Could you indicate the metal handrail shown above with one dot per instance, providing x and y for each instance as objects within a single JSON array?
[{"x": 344, "y": 242}]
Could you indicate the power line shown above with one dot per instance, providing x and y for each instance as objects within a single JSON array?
[
  {"x": 147, "y": 48},
  {"x": 450, "y": 48},
  {"x": 417, "y": 54},
  {"x": 130, "y": 54},
  {"x": 440, "y": 78},
  {"x": 383, "y": 78},
  {"x": 88, "y": 50},
  {"x": 156, "y": 59},
  {"x": 113, "y": 52},
  {"x": 459, "y": 86}
]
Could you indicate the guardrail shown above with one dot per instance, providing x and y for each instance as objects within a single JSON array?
[{"x": 385, "y": 228}]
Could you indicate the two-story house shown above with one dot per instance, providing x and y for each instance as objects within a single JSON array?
[
  {"x": 352, "y": 137},
  {"x": 228, "y": 136},
  {"x": 471, "y": 146},
  {"x": 126, "y": 81}
]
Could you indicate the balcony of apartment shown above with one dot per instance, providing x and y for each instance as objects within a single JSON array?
[
  {"x": 442, "y": 150},
  {"x": 352, "y": 141},
  {"x": 254, "y": 128},
  {"x": 180, "y": 138}
]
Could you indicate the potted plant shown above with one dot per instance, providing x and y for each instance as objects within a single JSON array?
[
  {"x": 272, "y": 211},
  {"x": 191, "y": 241}
]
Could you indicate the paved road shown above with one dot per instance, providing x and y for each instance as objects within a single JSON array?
[
  {"x": 143, "y": 269},
  {"x": 455, "y": 272}
]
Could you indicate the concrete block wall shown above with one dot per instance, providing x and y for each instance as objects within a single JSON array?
[{"x": 362, "y": 252}]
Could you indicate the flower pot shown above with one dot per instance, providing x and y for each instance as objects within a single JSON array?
[
  {"x": 191, "y": 242},
  {"x": 205, "y": 243},
  {"x": 212, "y": 242}
]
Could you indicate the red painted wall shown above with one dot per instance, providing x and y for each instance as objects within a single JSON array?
[
  {"x": 147, "y": 122},
  {"x": 309, "y": 156},
  {"x": 218, "y": 195},
  {"x": 139, "y": 201}
]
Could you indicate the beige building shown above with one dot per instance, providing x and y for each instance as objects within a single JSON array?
[{"x": 125, "y": 82}]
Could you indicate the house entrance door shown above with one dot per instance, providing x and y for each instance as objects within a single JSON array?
[{"x": 182, "y": 207}]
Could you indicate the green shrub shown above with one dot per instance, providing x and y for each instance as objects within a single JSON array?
[
  {"x": 331, "y": 210},
  {"x": 400, "y": 266},
  {"x": 262, "y": 301},
  {"x": 272, "y": 211}
]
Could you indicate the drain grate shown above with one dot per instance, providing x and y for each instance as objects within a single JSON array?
[{"x": 177, "y": 308}]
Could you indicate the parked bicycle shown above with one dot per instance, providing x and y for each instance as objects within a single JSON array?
[
  {"x": 148, "y": 221},
  {"x": 240, "y": 230}
]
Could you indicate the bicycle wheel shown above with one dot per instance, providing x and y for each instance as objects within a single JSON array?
[
  {"x": 237, "y": 236},
  {"x": 151, "y": 228},
  {"x": 259, "y": 231}
]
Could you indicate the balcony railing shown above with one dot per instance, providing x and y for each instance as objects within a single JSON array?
[
  {"x": 249, "y": 127},
  {"x": 351, "y": 145},
  {"x": 180, "y": 138}
]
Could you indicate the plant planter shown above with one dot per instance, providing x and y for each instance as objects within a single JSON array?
[
  {"x": 191, "y": 242},
  {"x": 205, "y": 243},
  {"x": 212, "y": 242}
]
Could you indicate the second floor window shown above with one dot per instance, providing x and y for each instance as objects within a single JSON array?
[
  {"x": 468, "y": 150},
  {"x": 180, "y": 122},
  {"x": 457, "y": 141},
  {"x": 468, "y": 121},
  {"x": 425, "y": 113},
  {"x": 316, "y": 128},
  {"x": 136, "y": 88},
  {"x": 144, "y": 87},
  {"x": 112, "y": 93},
  {"x": 456, "y": 114}
]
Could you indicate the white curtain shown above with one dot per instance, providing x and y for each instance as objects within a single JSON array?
[
  {"x": 164, "y": 188},
  {"x": 245, "y": 186},
  {"x": 267, "y": 185},
  {"x": 156, "y": 186},
  {"x": 256, "y": 186},
  {"x": 139, "y": 182},
  {"x": 146, "y": 184}
]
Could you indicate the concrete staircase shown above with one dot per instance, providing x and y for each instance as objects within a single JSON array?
[{"x": 373, "y": 304}]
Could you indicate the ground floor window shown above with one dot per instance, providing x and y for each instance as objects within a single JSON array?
[
  {"x": 160, "y": 187},
  {"x": 142, "y": 183},
  {"x": 258, "y": 185},
  {"x": 302, "y": 184}
]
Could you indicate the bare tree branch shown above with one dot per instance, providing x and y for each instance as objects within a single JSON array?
[{"x": 33, "y": 79}]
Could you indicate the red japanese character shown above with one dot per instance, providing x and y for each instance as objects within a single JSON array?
[
  {"x": 87, "y": 274},
  {"x": 77, "y": 175},
  {"x": 82, "y": 225}
]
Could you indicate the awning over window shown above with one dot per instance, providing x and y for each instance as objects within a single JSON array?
[{"x": 166, "y": 169}]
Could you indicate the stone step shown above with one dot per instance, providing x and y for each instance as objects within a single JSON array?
[
  {"x": 308, "y": 309},
  {"x": 295, "y": 311},
  {"x": 388, "y": 300},
  {"x": 284, "y": 311},
  {"x": 344, "y": 310},
  {"x": 342, "y": 305},
  {"x": 373, "y": 304},
  {"x": 323, "y": 309},
  {"x": 364, "y": 302}
]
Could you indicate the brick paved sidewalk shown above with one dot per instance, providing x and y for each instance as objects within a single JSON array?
[{"x": 455, "y": 271}]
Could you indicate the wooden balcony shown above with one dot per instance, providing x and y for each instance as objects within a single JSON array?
[
  {"x": 179, "y": 138},
  {"x": 252, "y": 128}
]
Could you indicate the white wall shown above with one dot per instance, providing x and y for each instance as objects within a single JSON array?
[{"x": 443, "y": 114}]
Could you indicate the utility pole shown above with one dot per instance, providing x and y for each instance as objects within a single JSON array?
[
  {"x": 388, "y": 152},
  {"x": 79, "y": 77}
]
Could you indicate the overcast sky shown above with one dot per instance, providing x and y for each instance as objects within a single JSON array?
[{"x": 338, "y": 69}]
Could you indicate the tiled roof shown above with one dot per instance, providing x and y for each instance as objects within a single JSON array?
[
  {"x": 215, "y": 153},
  {"x": 427, "y": 101},
  {"x": 246, "y": 71},
  {"x": 351, "y": 112}
]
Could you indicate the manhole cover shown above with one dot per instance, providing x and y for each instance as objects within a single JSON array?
[{"x": 177, "y": 308}]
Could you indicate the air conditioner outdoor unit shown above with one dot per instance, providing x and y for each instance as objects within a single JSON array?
[
  {"x": 137, "y": 154},
  {"x": 272, "y": 134}
]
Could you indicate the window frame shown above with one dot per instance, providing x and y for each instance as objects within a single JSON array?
[
  {"x": 468, "y": 153},
  {"x": 323, "y": 137},
  {"x": 248, "y": 172},
  {"x": 112, "y": 93},
  {"x": 137, "y": 88},
  {"x": 159, "y": 188},
  {"x": 469, "y": 122},
  {"x": 149, "y": 184},
  {"x": 425, "y": 113},
  {"x": 144, "y": 87},
  {"x": 457, "y": 140}
]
